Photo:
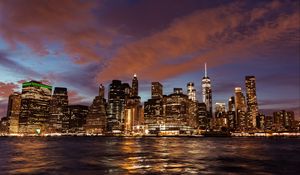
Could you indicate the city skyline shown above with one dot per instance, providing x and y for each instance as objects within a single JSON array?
[{"x": 93, "y": 46}]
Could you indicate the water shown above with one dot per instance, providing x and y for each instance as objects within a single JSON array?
[{"x": 152, "y": 155}]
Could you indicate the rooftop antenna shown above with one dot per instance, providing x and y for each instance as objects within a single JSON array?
[{"x": 205, "y": 70}]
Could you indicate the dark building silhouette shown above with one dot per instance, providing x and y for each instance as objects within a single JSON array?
[
  {"x": 34, "y": 107},
  {"x": 203, "y": 121},
  {"x": 231, "y": 114},
  {"x": 252, "y": 107},
  {"x": 97, "y": 114},
  {"x": 77, "y": 118},
  {"x": 58, "y": 109},
  {"x": 135, "y": 86},
  {"x": 13, "y": 112}
]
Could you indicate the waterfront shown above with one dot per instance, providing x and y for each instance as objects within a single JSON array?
[{"x": 170, "y": 155}]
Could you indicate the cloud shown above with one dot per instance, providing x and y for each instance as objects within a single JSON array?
[
  {"x": 40, "y": 23},
  {"x": 216, "y": 35},
  {"x": 14, "y": 66},
  {"x": 5, "y": 90},
  {"x": 75, "y": 98}
]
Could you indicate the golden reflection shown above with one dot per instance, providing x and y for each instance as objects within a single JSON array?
[
  {"x": 30, "y": 156},
  {"x": 133, "y": 163}
]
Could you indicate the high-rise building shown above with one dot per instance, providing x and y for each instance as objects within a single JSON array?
[
  {"x": 283, "y": 120},
  {"x": 96, "y": 117},
  {"x": 34, "y": 107},
  {"x": 203, "y": 122},
  {"x": 77, "y": 118},
  {"x": 268, "y": 123},
  {"x": 135, "y": 86},
  {"x": 156, "y": 90},
  {"x": 252, "y": 106},
  {"x": 241, "y": 109},
  {"x": 207, "y": 93},
  {"x": 191, "y": 91},
  {"x": 220, "y": 119},
  {"x": 177, "y": 91},
  {"x": 231, "y": 104},
  {"x": 133, "y": 114},
  {"x": 118, "y": 94},
  {"x": 13, "y": 112},
  {"x": 231, "y": 114},
  {"x": 178, "y": 118},
  {"x": 153, "y": 114},
  {"x": 58, "y": 109}
]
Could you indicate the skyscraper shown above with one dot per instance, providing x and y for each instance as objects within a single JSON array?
[
  {"x": 156, "y": 90},
  {"x": 118, "y": 94},
  {"x": 252, "y": 106},
  {"x": 191, "y": 91},
  {"x": 13, "y": 112},
  {"x": 207, "y": 93},
  {"x": 240, "y": 107},
  {"x": 34, "y": 107},
  {"x": 96, "y": 117},
  {"x": 77, "y": 118},
  {"x": 58, "y": 109},
  {"x": 231, "y": 114},
  {"x": 135, "y": 86}
]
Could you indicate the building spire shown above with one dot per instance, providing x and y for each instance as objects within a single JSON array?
[{"x": 205, "y": 70}]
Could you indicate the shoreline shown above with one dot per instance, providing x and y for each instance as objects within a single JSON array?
[{"x": 257, "y": 135}]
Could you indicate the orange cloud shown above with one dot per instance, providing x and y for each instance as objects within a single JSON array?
[{"x": 215, "y": 36}]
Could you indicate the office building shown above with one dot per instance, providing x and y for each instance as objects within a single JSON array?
[
  {"x": 240, "y": 109},
  {"x": 135, "y": 86},
  {"x": 118, "y": 94},
  {"x": 252, "y": 107},
  {"x": 207, "y": 93},
  {"x": 191, "y": 91},
  {"x": 13, "y": 112},
  {"x": 58, "y": 109},
  {"x": 156, "y": 90},
  {"x": 77, "y": 118},
  {"x": 97, "y": 114},
  {"x": 35, "y": 104}
]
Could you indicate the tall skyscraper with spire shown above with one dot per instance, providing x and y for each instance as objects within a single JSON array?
[
  {"x": 135, "y": 86},
  {"x": 207, "y": 93},
  {"x": 252, "y": 106}
]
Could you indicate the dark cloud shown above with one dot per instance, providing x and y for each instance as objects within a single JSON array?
[
  {"x": 217, "y": 35},
  {"x": 39, "y": 23},
  {"x": 14, "y": 66}
]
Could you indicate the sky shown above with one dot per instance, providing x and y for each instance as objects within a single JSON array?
[{"x": 81, "y": 44}]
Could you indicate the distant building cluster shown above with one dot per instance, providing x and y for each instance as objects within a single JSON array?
[{"x": 36, "y": 110}]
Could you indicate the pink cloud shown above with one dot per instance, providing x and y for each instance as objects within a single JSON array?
[{"x": 75, "y": 98}]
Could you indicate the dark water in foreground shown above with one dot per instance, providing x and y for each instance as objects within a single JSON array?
[{"x": 153, "y": 155}]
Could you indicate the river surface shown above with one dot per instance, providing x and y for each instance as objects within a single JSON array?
[{"x": 150, "y": 155}]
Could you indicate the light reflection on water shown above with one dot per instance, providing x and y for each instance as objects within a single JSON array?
[{"x": 167, "y": 155}]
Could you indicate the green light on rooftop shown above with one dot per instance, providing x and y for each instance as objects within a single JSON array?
[{"x": 36, "y": 84}]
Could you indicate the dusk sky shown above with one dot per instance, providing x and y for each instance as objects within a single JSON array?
[{"x": 80, "y": 44}]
